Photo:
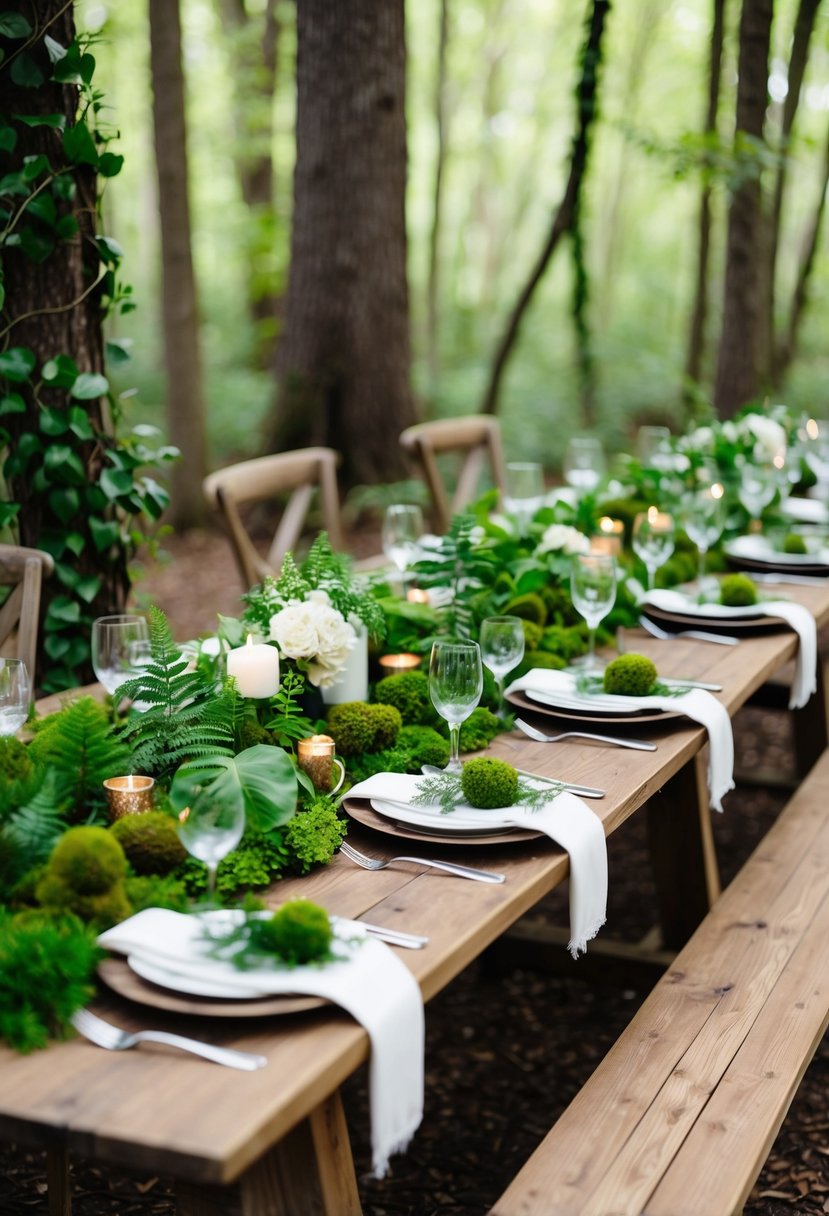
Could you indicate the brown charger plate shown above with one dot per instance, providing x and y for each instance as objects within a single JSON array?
[
  {"x": 715, "y": 624},
  {"x": 812, "y": 569},
  {"x": 360, "y": 810},
  {"x": 645, "y": 717},
  {"x": 117, "y": 975}
]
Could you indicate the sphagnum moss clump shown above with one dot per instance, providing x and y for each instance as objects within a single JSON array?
[
  {"x": 488, "y": 783},
  {"x": 630, "y": 675},
  {"x": 738, "y": 591}
]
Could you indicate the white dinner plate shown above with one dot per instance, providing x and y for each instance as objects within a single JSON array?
[
  {"x": 758, "y": 549},
  {"x": 596, "y": 705},
  {"x": 457, "y": 823},
  {"x": 193, "y": 985}
]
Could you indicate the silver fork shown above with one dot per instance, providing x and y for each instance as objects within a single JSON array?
[
  {"x": 375, "y": 863},
  {"x": 104, "y": 1034},
  {"x": 638, "y": 745},
  {"x": 657, "y": 631}
]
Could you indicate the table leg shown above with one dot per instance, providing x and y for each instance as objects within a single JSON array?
[
  {"x": 682, "y": 852},
  {"x": 809, "y": 726},
  {"x": 58, "y": 1184},
  {"x": 309, "y": 1173}
]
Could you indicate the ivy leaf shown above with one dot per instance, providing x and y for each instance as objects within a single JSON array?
[
  {"x": 8, "y": 139},
  {"x": 33, "y": 166},
  {"x": 57, "y": 121},
  {"x": 55, "y": 51},
  {"x": 110, "y": 164},
  {"x": 104, "y": 532},
  {"x": 12, "y": 403},
  {"x": 63, "y": 609},
  {"x": 65, "y": 465},
  {"x": 17, "y": 363},
  {"x": 26, "y": 73},
  {"x": 87, "y": 588},
  {"x": 61, "y": 372},
  {"x": 65, "y": 503},
  {"x": 75, "y": 542},
  {"x": 13, "y": 25},
  {"x": 42, "y": 207},
  {"x": 8, "y": 512},
  {"x": 114, "y": 484},
  {"x": 262, "y": 779},
  {"x": 13, "y": 183},
  {"x": 66, "y": 227},
  {"x": 53, "y": 422},
  {"x": 111, "y": 252},
  {"x": 79, "y": 424},
  {"x": 88, "y": 386},
  {"x": 118, "y": 351},
  {"x": 79, "y": 145}
]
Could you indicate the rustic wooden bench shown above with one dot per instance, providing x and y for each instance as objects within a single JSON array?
[{"x": 679, "y": 1117}]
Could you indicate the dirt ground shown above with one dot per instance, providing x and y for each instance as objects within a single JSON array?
[{"x": 506, "y": 1050}]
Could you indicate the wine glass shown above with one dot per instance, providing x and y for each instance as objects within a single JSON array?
[
  {"x": 524, "y": 491},
  {"x": 502, "y": 648},
  {"x": 15, "y": 694},
  {"x": 402, "y": 529},
  {"x": 703, "y": 517},
  {"x": 210, "y": 828},
  {"x": 456, "y": 682},
  {"x": 584, "y": 463},
  {"x": 653, "y": 540},
  {"x": 757, "y": 487},
  {"x": 653, "y": 446},
  {"x": 593, "y": 592},
  {"x": 120, "y": 649}
]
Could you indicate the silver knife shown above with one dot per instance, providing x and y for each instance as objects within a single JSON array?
[
  {"x": 584, "y": 791},
  {"x": 395, "y": 937},
  {"x": 796, "y": 580},
  {"x": 678, "y": 682}
]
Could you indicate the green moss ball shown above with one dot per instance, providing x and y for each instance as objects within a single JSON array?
[
  {"x": 352, "y": 728},
  {"x": 529, "y": 607},
  {"x": 89, "y": 860},
  {"x": 631, "y": 675},
  {"x": 150, "y": 841},
  {"x": 300, "y": 931},
  {"x": 15, "y": 762},
  {"x": 738, "y": 591},
  {"x": 425, "y": 746},
  {"x": 488, "y": 783},
  {"x": 408, "y": 692},
  {"x": 387, "y": 723},
  {"x": 794, "y": 544},
  {"x": 101, "y": 909},
  {"x": 479, "y": 729}
]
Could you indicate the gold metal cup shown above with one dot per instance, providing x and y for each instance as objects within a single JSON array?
[
  {"x": 130, "y": 795},
  {"x": 315, "y": 756}
]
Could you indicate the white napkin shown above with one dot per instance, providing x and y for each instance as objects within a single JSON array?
[
  {"x": 370, "y": 982},
  {"x": 796, "y": 617},
  {"x": 565, "y": 819},
  {"x": 696, "y": 704}
]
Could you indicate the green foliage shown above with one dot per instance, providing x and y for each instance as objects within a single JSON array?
[
  {"x": 794, "y": 543},
  {"x": 290, "y": 722},
  {"x": 78, "y": 745},
  {"x": 538, "y": 658},
  {"x": 313, "y": 835},
  {"x": 183, "y": 719},
  {"x": 18, "y": 778},
  {"x": 46, "y": 973},
  {"x": 156, "y": 891},
  {"x": 298, "y": 933},
  {"x": 529, "y": 607},
  {"x": 408, "y": 692},
  {"x": 357, "y": 727},
  {"x": 461, "y": 564},
  {"x": 738, "y": 591},
  {"x": 630, "y": 675},
  {"x": 479, "y": 729},
  {"x": 150, "y": 842},
  {"x": 85, "y": 876},
  {"x": 489, "y": 783},
  {"x": 261, "y": 780}
]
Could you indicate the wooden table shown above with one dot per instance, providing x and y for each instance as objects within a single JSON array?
[{"x": 275, "y": 1142}]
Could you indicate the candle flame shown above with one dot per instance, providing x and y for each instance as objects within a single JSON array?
[
  {"x": 717, "y": 491},
  {"x": 653, "y": 515},
  {"x": 812, "y": 429}
]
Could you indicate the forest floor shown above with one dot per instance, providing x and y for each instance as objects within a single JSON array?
[{"x": 506, "y": 1050}]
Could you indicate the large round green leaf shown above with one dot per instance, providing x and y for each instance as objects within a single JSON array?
[{"x": 262, "y": 779}]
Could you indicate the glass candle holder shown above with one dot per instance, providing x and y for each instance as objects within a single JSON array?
[
  {"x": 610, "y": 537},
  {"x": 394, "y": 664},
  {"x": 417, "y": 595},
  {"x": 315, "y": 756},
  {"x": 131, "y": 795}
]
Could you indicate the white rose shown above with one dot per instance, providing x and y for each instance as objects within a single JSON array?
[
  {"x": 701, "y": 439},
  {"x": 294, "y": 631},
  {"x": 562, "y": 536},
  {"x": 729, "y": 431},
  {"x": 769, "y": 436}
]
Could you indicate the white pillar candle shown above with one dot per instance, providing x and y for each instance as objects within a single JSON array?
[{"x": 255, "y": 667}]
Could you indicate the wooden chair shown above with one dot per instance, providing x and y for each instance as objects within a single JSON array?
[
  {"x": 266, "y": 480},
  {"x": 22, "y": 569},
  {"x": 476, "y": 439}
]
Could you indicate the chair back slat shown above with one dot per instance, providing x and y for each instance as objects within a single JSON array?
[
  {"x": 22, "y": 570},
  {"x": 476, "y": 439}
]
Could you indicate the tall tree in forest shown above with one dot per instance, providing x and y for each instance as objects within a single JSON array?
[
  {"x": 699, "y": 312},
  {"x": 739, "y": 367},
  {"x": 68, "y": 485},
  {"x": 253, "y": 48},
  {"x": 566, "y": 217},
  {"x": 343, "y": 359},
  {"x": 179, "y": 306},
  {"x": 432, "y": 284}
]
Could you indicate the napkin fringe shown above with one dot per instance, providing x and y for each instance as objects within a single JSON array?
[
  {"x": 577, "y": 947},
  {"x": 381, "y": 1153}
]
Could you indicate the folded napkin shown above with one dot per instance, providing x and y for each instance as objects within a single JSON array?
[
  {"x": 368, "y": 980},
  {"x": 796, "y": 617},
  {"x": 696, "y": 704},
  {"x": 565, "y": 819}
]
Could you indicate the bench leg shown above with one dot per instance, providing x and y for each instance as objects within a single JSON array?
[
  {"x": 809, "y": 726},
  {"x": 309, "y": 1173},
  {"x": 682, "y": 852},
  {"x": 58, "y": 1185}
]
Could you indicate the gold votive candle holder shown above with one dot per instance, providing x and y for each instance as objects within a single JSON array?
[
  {"x": 131, "y": 795},
  {"x": 610, "y": 537},
  {"x": 394, "y": 664},
  {"x": 417, "y": 595},
  {"x": 315, "y": 756}
]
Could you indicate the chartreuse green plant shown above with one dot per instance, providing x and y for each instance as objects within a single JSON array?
[{"x": 87, "y": 488}]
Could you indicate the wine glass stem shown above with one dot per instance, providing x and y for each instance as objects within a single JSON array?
[
  {"x": 649, "y": 577},
  {"x": 211, "y": 880},
  {"x": 454, "y": 765},
  {"x": 502, "y": 704},
  {"x": 590, "y": 661},
  {"x": 701, "y": 563}
]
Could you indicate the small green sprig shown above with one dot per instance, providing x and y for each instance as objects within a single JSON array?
[
  {"x": 587, "y": 685},
  {"x": 444, "y": 791}
]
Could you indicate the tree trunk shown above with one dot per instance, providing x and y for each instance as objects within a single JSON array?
[
  {"x": 586, "y": 96},
  {"x": 343, "y": 357},
  {"x": 739, "y": 366},
  {"x": 179, "y": 309},
  {"x": 699, "y": 315},
  {"x": 804, "y": 24},
  {"x": 254, "y": 50},
  {"x": 437, "y": 199}
]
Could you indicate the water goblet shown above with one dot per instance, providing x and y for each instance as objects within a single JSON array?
[
  {"x": 402, "y": 529},
  {"x": 456, "y": 682},
  {"x": 502, "y": 648},
  {"x": 210, "y": 828},
  {"x": 593, "y": 592},
  {"x": 757, "y": 487},
  {"x": 584, "y": 463},
  {"x": 653, "y": 540},
  {"x": 524, "y": 491},
  {"x": 703, "y": 518},
  {"x": 119, "y": 649},
  {"x": 15, "y": 695}
]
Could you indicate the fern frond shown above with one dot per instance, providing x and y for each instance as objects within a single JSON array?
[{"x": 78, "y": 745}]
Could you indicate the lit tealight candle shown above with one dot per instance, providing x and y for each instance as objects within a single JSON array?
[
  {"x": 255, "y": 668},
  {"x": 611, "y": 535},
  {"x": 393, "y": 664},
  {"x": 315, "y": 756},
  {"x": 417, "y": 595},
  {"x": 129, "y": 795}
]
